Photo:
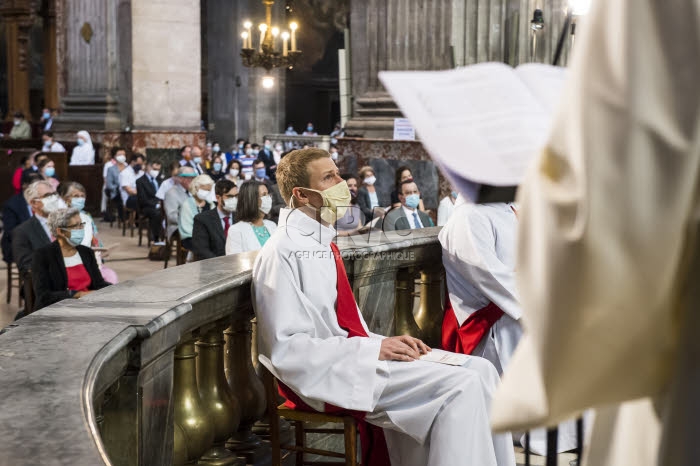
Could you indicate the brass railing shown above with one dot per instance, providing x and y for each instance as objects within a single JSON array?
[{"x": 158, "y": 371}]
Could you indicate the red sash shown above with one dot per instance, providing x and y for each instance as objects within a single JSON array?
[
  {"x": 374, "y": 449},
  {"x": 465, "y": 338}
]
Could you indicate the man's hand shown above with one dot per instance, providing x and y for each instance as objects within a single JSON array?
[{"x": 402, "y": 348}]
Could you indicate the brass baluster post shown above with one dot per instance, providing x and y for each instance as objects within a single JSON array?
[
  {"x": 190, "y": 416},
  {"x": 247, "y": 388},
  {"x": 431, "y": 305},
  {"x": 217, "y": 399},
  {"x": 404, "y": 322}
]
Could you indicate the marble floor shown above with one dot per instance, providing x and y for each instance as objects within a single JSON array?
[{"x": 127, "y": 259}]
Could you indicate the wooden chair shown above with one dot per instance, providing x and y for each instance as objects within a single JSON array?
[
  {"x": 129, "y": 221},
  {"x": 143, "y": 224},
  {"x": 299, "y": 418},
  {"x": 13, "y": 281},
  {"x": 174, "y": 248},
  {"x": 29, "y": 297}
]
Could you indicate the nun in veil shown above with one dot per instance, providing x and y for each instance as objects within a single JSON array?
[{"x": 84, "y": 152}]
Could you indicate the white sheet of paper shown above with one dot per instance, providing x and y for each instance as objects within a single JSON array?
[
  {"x": 444, "y": 357},
  {"x": 484, "y": 122}
]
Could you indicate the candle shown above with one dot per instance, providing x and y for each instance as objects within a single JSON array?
[
  {"x": 275, "y": 33},
  {"x": 245, "y": 39},
  {"x": 285, "y": 38},
  {"x": 263, "y": 29},
  {"x": 248, "y": 43},
  {"x": 293, "y": 27}
]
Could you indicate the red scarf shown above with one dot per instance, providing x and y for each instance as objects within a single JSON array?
[
  {"x": 466, "y": 337},
  {"x": 374, "y": 449}
]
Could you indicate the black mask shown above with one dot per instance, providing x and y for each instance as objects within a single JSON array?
[{"x": 137, "y": 167}]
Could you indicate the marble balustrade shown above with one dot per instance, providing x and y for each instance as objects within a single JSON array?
[{"x": 134, "y": 374}]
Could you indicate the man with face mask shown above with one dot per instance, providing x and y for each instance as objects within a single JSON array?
[
  {"x": 127, "y": 181},
  {"x": 149, "y": 205},
  {"x": 34, "y": 233},
  {"x": 49, "y": 145},
  {"x": 197, "y": 161},
  {"x": 112, "y": 186},
  {"x": 268, "y": 157},
  {"x": 310, "y": 130},
  {"x": 176, "y": 197},
  {"x": 408, "y": 216},
  {"x": 211, "y": 227},
  {"x": 46, "y": 120},
  {"x": 20, "y": 128},
  {"x": 323, "y": 353}
]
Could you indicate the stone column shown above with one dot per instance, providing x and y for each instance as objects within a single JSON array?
[
  {"x": 392, "y": 35},
  {"x": 50, "y": 62},
  {"x": 479, "y": 31},
  {"x": 165, "y": 72},
  {"x": 18, "y": 16},
  {"x": 554, "y": 17},
  {"x": 92, "y": 65}
]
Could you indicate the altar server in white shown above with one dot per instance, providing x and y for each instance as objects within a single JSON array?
[
  {"x": 483, "y": 318},
  {"x": 431, "y": 414},
  {"x": 609, "y": 243}
]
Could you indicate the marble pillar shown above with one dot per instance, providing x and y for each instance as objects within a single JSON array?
[
  {"x": 392, "y": 35},
  {"x": 18, "y": 17},
  {"x": 479, "y": 31},
  {"x": 165, "y": 70},
  {"x": 92, "y": 66}
]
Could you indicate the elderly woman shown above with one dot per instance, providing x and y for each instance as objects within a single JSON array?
[
  {"x": 74, "y": 195},
  {"x": 251, "y": 230},
  {"x": 65, "y": 268},
  {"x": 200, "y": 200},
  {"x": 84, "y": 152}
]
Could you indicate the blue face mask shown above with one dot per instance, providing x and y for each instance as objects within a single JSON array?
[
  {"x": 455, "y": 194},
  {"x": 412, "y": 200},
  {"x": 260, "y": 173},
  {"x": 80, "y": 142},
  {"x": 78, "y": 203},
  {"x": 309, "y": 128},
  {"x": 49, "y": 171},
  {"x": 198, "y": 160},
  {"x": 46, "y": 115},
  {"x": 76, "y": 236},
  {"x": 217, "y": 167}
]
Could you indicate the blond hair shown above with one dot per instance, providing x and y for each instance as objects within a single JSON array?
[
  {"x": 293, "y": 172},
  {"x": 199, "y": 181},
  {"x": 363, "y": 171}
]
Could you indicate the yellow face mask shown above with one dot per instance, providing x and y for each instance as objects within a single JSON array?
[{"x": 336, "y": 201}]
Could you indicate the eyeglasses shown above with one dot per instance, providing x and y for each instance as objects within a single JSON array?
[{"x": 77, "y": 226}]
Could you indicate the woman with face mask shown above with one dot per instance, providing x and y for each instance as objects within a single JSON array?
[
  {"x": 233, "y": 172},
  {"x": 74, "y": 195},
  {"x": 367, "y": 195},
  {"x": 65, "y": 268},
  {"x": 353, "y": 219},
  {"x": 251, "y": 230},
  {"x": 84, "y": 152},
  {"x": 217, "y": 168},
  {"x": 47, "y": 169},
  {"x": 200, "y": 199}
]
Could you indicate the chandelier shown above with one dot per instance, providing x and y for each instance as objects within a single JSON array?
[{"x": 275, "y": 49}]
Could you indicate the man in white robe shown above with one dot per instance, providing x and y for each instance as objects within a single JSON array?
[
  {"x": 432, "y": 414},
  {"x": 608, "y": 248}
]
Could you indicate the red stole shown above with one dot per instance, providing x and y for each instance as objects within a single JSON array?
[
  {"x": 465, "y": 338},
  {"x": 374, "y": 449}
]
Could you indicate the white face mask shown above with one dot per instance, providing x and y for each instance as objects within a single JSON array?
[
  {"x": 121, "y": 158},
  {"x": 266, "y": 204},
  {"x": 278, "y": 148},
  {"x": 370, "y": 180},
  {"x": 154, "y": 173},
  {"x": 334, "y": 155},
  {"x": 17, "y": 121},
  {"x": 203, "y": 194},
  {"x": 234, "y": 172},
  {"x": 51, "y": 204},
  {"x": 230, "y": 204},
  {"x": 336, "y": 201}
]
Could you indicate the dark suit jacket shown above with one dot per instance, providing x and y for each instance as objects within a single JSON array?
[
  {"x": 27, "y": 238},
  {"x": 396, "y": 219},
  {"x": 146, "y": 193},
  {"x": 208, "y": 238},
  {"x": 49, "y": 275},
  {"x": 14, "y": 213},
  {"x": 365, "y": 204},
  {"x": 269, "y": 159}
]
